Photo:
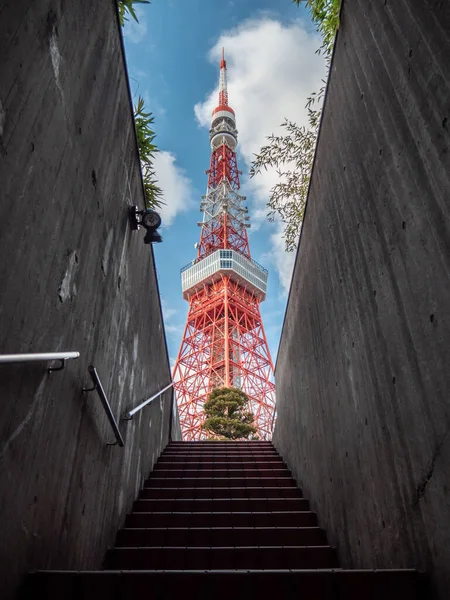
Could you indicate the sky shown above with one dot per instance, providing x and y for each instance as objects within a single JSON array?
[{"x": 173, "y": 56}]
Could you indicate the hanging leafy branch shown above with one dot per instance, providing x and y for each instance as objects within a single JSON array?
[
  {"x": 126, "y": 7},
  {"x": 143, "y": 122},
  {"x": 291, "y": 154},
  {"x": 325, "y": 14},
  {"x": 147, "y": 150}
]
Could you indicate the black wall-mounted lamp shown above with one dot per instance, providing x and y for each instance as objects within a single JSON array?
[{"x": 149, "y": 219}]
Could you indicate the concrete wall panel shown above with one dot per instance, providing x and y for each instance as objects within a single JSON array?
[
  {"x": 363, "y": 380},
  {"x": 73, "y": 276}
]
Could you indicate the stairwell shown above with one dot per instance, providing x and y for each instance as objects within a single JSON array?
[{"x": 220, "y": 520}]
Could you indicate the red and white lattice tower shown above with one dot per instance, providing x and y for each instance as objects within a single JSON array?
[{"x": 224, "y": 344}]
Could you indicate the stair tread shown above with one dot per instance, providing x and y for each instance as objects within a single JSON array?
[
  {"x": 241, "y": 487},
  {"x": 221, "y": 504},
  {"x": 220, "y": 528},
  {"x": 218, "y": 557},
  {"x": 227, "y": 512},
  {"x": 209, "y": 482},
  {"x": 219, "y": 548},
  {"x": 264, "y": 499},
  {"x": 203, "y": 584},
  {"x": 104, "y": 572}
]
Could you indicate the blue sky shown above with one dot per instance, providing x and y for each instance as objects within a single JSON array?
[{"x": 173, "y": 62}]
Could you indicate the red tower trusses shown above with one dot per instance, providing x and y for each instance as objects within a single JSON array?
[{"x": 224, "y": 343}]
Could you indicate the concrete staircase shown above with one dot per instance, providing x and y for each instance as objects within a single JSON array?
[{"x": 221, "y": 520}]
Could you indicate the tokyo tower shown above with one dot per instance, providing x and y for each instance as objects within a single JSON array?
[{"x": 224, "y": 343}]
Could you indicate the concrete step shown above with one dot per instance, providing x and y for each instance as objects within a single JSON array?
[
  {"x": 218, "y": 492},
  {"x": 222, "y": 505},
  {"x": 222, "y": 536},
  {"x": 208, "y": 482},
  {"x": 192, "y": 471},
  {"x": 222, "y": 519},
  {"x": 211, "y": 459},
  {"x": 322, "y": 584},
  {"x": 220, "y": 444},
  {"x": 244, "y": 557},
  {"x": 219, "y": 464},
  {"x": 247, "y": 452}
]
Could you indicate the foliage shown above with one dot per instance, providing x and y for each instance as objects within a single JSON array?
[
  {"x": 325, "y": 14},
  {"x": 143, "y": 122},
  {"x": 126, "y": 6},
  {"x": 147, "y": 150},
  {"x": 292, "y": 152},
  {"x": 226, "y": 416}
]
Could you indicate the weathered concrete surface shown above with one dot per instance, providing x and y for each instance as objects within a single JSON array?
[
  {"x": 363, "y": 378},
  {"x": 73, "y": 277}
]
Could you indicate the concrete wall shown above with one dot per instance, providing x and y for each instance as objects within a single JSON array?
[
  {"x": 363, "y": 378},
  {"x": 73, "y": 276}
]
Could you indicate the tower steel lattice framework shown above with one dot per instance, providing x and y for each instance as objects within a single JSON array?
[{"x": 224, "y": 343}]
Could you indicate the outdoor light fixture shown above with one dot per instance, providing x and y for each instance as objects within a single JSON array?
[{"x": 149, "y": 219}]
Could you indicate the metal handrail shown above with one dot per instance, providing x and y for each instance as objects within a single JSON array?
[
  {"x": 129, "y": 415},
  {"x": 104, "y": 400},
  {"x": 39, "y": 357}
]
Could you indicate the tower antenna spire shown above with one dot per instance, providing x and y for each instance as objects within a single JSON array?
[{"x": 223, "y": 92}]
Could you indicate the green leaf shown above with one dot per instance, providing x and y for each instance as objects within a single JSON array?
[
  {"x": 147, "y": 149},
  {"x": 126, "y": 6}
]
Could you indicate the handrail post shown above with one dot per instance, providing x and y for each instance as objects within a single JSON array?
[{"x": 104, "y": 400}]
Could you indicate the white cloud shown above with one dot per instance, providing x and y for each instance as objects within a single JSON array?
[
  {"x": 282, "y": 260},
  {"x": 176, "y": 187},
  {"x": 170, "y": 327},
  {"x": 272, "y": 69},
  {"x": 167, "y": 312},
  {"x": 135, "y": 32}
]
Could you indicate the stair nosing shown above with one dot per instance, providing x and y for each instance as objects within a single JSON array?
[
  {"x": 224, "y": 512},
  {"x": 240, "y": 548},
  {"x": 228, "y": 528}
]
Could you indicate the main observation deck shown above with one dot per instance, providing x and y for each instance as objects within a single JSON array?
[{"x": 244, "y": 271}]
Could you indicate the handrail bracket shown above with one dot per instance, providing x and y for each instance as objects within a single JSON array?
[
  {"x": 62, "y": 364},
  {"x": 94, "y": 387}
]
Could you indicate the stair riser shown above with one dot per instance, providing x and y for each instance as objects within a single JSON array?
[
  {"x": 209, "y": 482},
  {"x": 285, "y": 585},
  {"x": 162, "y": 471},
  {"x": 222, "y": 455},
  {"x": 293, "y": 519},
  {"x": 221, "y": 463},
  {"x": 204, "y": 493},
  {"x": 228, "y": 465},
  {"x": 221, "y": 558},
  {"x": 239, "y": 505},
  {"x": 238, "y": 447},
  {"x": 220, "y": 444},
  {"x": 221, "y": 537}
]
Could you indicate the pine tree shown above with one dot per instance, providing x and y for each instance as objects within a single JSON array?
[{"x": 226, "y": 415}]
